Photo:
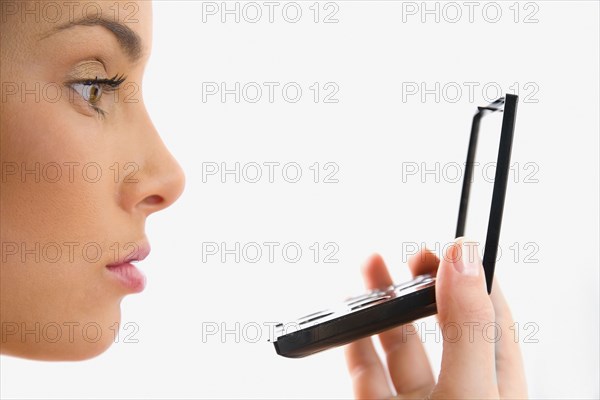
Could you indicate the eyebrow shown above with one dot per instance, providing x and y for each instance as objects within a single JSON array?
[{"x": 130, "y": 42}]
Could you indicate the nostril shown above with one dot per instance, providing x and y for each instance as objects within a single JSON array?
[{"x": 153, "y": 200}]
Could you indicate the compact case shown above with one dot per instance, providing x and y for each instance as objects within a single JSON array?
[{"x": 382, "y": 309}]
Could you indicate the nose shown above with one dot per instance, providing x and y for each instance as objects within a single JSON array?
[
  {"x": 158, "y": 180},
  {"x": 165, "y": 183}
]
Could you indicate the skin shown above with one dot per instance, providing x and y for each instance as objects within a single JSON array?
[{"x": 110, "y": 213}]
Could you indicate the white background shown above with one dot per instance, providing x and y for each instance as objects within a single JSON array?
[{"x": 371, "y": 54}]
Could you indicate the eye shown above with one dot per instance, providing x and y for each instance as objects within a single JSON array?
[{"x": 90, "y": 92}]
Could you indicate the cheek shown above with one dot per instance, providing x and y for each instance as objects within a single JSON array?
[
  {"x": 57, "y": 194},
  {"x": 54, "y": 173}
]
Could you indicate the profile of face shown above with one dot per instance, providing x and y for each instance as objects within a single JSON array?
[{"x": 82, "y": 169}]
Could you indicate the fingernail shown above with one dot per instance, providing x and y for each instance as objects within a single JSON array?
[{"x": 468, "y": 261}]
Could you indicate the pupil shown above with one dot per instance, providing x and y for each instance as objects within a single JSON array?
[{"x": 94, "y": 93}]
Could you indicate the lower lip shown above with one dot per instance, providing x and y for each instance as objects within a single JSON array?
[{"x": 129, "y": 276}]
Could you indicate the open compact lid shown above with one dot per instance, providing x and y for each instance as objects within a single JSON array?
[{"x": 507, "y": 105}]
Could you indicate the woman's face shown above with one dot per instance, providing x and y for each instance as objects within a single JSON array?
[{"x": 82, "y": 169}]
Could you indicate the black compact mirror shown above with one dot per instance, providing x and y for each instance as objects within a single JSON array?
[{"x": 385, "y": 308}]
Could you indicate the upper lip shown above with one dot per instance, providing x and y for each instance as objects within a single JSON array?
[{"x": 140, "y": 252}]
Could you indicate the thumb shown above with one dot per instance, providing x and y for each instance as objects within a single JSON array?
[{"x": 466, "y": 317}]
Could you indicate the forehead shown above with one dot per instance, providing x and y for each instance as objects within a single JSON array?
[{"x": 31, "y": 21}]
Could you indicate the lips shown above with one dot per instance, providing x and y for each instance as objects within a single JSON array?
[{"x": 126, "y": 273}]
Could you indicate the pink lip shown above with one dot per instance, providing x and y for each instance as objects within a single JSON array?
[{"x": 126, "y": 273}]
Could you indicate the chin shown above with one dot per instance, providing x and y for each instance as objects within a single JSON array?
[
  {"x": 61, "y": 341},
  {"x": 76, "y": 351}
]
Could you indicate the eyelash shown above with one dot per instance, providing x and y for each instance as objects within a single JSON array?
[{"x": 108, "y": 85}]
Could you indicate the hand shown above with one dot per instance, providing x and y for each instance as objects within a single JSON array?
[{"x": 473, "y": 366}]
